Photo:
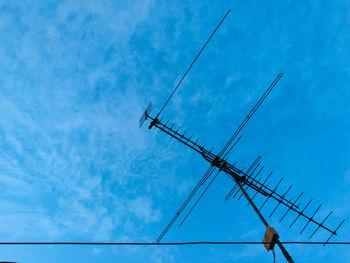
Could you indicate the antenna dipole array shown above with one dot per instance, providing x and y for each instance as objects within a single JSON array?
[
  {"x": 249, "y": 179},
  {"x": 246, "y": 178}
]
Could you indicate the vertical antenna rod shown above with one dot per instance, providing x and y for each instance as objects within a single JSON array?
[{"x": 195, "y": 59}]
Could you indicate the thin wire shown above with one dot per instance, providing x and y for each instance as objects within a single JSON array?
[
  {"x": 172, "y": 243},
  {"x": 200, "y": 197},
  {"x": 250, "y": 115},
  {"x": 222, "y": 20},
  {"x": 202, "y": 180}
]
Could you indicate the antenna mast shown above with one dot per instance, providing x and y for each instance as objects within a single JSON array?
[{"x": 248, "y": 179}]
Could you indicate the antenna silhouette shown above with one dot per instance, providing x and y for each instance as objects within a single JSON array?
[{"x": 244, "y": 180}]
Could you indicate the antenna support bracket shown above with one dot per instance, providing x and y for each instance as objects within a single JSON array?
[
  {"x": 154, "y": 122},
  {"x": 270, "y": 238}
]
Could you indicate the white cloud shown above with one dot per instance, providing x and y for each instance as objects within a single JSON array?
[{"x": 142, "y": 208}]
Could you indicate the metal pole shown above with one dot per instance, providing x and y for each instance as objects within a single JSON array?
[{"x": 284, "y": 251}]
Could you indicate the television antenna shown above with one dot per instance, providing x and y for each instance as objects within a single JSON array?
[{"x": 243, "y": 179}]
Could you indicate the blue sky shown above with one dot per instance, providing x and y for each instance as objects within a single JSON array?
[{"x": 75, "y": 77}]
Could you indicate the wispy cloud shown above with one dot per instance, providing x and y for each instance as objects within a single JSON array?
[{"x": 75, "y": 77}]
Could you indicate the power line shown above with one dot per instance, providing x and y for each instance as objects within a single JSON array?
[{"x": 173, "y": 243}]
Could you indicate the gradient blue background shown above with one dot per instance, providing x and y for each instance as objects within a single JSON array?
[{"x": 75, "y": 77}]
